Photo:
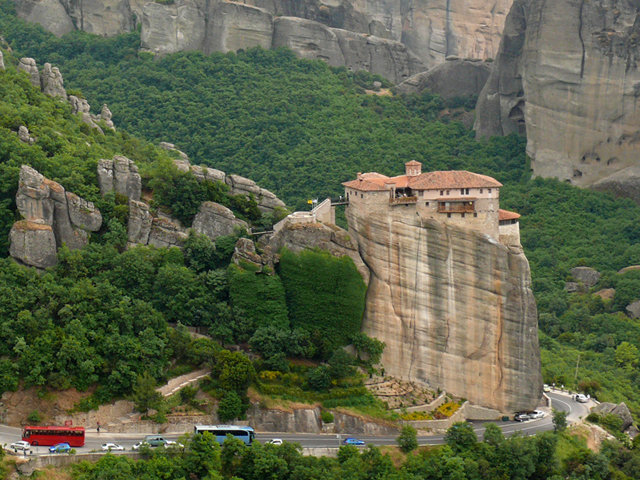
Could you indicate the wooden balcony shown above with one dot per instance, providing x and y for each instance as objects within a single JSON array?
[
  {"x": 403, "y": 200},
  {"x": 456, "y": 207}
]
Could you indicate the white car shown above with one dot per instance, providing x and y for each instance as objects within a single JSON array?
[
  {"x": 275, "y": 441},
  {"x": 581, "y": 398},
  {"x": 536, "y": 414},
  {"x": 171, "y": 443},
  {"x": 21, "y": 445},
  {"x": 137, "y": 446},
  {"x": 108, "y": 447}
]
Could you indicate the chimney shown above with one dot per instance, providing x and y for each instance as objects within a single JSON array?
[
  {"x": 360, "y": 176},
  {"x": 413, "y": 168}
]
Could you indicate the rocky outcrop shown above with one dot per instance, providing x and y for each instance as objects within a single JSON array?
[
  {"x": 106, "y": 115},
  {"x": 586, "y": 275},
  {"x": 166, "y": 233},
  {"x": 633, "y": 309},
  {"x": 568, "y": 71},
  {"x": 454, "y": 78},
  {"x": 331, "y": 238},
  {"x": 81, "y": 106},
  {"x": 25, "y": 136},
  {"x": 51, "y": 82},
  {"x": 1, "y": 60},
  {"x": 29, "y": 65},
  {"x": 267, "y": 201},
  {"x": 52, "y": 217},
  {"x": 140, "y": 221},
  {"x": 215, "y": 220},
  {"x": 119, "y": 175},
  {"x": 403, "y": 37},
  {"x": 454, "y": 307},
  {"x": 245, "y": 253},
  {"x": 621, "y": 410}
]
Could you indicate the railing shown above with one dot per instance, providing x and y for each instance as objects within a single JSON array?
[
  {"x": 403, "y": 200},
  {"x": 456, "y": 208}
]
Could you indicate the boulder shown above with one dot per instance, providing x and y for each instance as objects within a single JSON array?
[
  {"x": 245, "y": 252},
  {"x": 621, "y": 410},
  {"x": 234, "y": 26},
  {"x": 120, "y": 175},
  {"x": 633, "y": 309},
  {"x": 29, "y": 65},
  {"x": 52, "y": 83},
  {"x": 165, "y": 233},
  {"x": 140, "y": 221},
  {"x": 106, "y": 115},
  {"x": 206, "y": 173},
  {"x": 572, "y": 287},
  {"x": 83, "y": 214},
  {"x": 170, "y": 28},
  {"x": 629, "y": 269},
  {"x": 81, "y": 106},
  {"x": 458, "y": 78},
  {"x": 25, "y": 136},
  {"x": 1, "y": 60},
  {"x": 308, "y": 39},
  {"x": 267, "y": 201},
  {"x": 171, "y": 147},
  {"x": 215, "y": 220},
  {"x": 48, "y": 13},
  {"x": 606, "y": 293},
  {"x": 586, "y": 275},
  {"x": 33, "y": 244}
]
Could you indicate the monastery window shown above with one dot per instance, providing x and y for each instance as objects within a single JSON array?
[
  {"x": 426, "y": 204},
  {"x": 481, "y": 190},
  {"x": 448, "y": 215},
  {"x": 475, "y": 215},
  {"x": 362, "y": 195},
  {"x": 421, "y": 193},
  {"x": 441, "y": 192},
  {"x": 447, "y": 192},
  {"x": 464, "y": 191},
  {"x": 489, "y": 190},
  {"x": 462, "y": 215}
]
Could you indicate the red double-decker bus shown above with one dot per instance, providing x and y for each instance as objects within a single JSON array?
[{"x": 48, "y": 436}]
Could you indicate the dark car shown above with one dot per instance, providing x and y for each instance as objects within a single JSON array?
[
  {"x": 352, "y": 441},
  {"x": 522, "y": 417},
  {"x": 60, "y": 448}
]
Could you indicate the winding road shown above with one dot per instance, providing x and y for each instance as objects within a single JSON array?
[{"x": 560, "y": 401}]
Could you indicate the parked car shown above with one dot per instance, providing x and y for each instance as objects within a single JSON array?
[
  {"x": 352, "y": 441},
  {"x": 546, "y": 388},
  {"x": 60, "y": 448},
  {"x": 582, "y": 398},
  {"x": 21, "y": 445},
  {"x": 136, "y": 446},
  {"x": 107, "y": 447},
  {"x": 536, "y": 414},
  {"x": 522, "y": 417},
  {"x": 275, "y": 441}
]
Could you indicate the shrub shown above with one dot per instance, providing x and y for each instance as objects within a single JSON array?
[
  {"x": 230, "y": 407},
  {"x": 34, "y": 417},
  {"x": 327, "y": 417}
]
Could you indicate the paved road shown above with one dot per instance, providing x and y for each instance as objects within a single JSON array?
[{"x": 559, "y": 401}]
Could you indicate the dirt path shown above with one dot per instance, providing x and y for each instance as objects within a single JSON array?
[{"x": 177, "y": 383}]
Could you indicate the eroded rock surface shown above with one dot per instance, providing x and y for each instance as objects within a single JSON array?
[
  {"x": 1, "y": 60},
  {"x": 267, "y": 201},
  {"x": 140, "y": 221},
  {"x": 48, "y": 13},
  {"x": 587, "y": 275},
  {"x": 51, "y": 82},
  {"x": 52, "y": 217},
  {"x": 454, "y": 307},
  {"x": 120, "y": 175},
  {"x": 456, "y": 78},
  {"x": 567, "y": 73},
  {"x": 621, "y": 410},
  {"x": 25, "y": 136},
  {"x": 215, "y": 220},
  {"x": 29, "y": 65},
  {"x": 165, "y": 233}
]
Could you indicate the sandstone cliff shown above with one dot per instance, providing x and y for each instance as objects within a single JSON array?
[
  {"x": 454, "y": 307},
  {"x": 567, "y": 73},
  {"x": 396, "y": 38}
]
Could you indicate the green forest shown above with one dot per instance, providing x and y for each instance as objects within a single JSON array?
[{"x": 298, "y": 128}]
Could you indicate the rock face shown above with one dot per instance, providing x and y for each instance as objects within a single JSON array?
[
  {"x": 331, "y": 238},
  {"x": 567, "y": 72},
  {"x": 245, "y": 252},
  {"x": 29, "y": 65},
  {"x": 80, "y": 105},
  {"x": 140, "y": 221},
  {"x": 455, "y": 78},
  {"x": 588, "y": 276},
  {"x": 120, "y": 175},
  {"x": 1, "y": 60},
  {"x": 51, "y": 82},
  {"x": 267, "y": 201},
  {"x": 454, "y": 307},
  {"x": 620, "y": 410},
  {"x": 52, "y": 217},
  {"x": 215, "y": 220},
  {"x": 402, "y": 37},
  {"x": 633, "y": 309},
  {"x": 25, "y": 136}
]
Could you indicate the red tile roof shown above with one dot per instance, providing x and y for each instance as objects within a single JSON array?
[
  {"x": 425, "y": 181},
  {"x": 507, "y": 215},
  {"x": 413, "y": 163}
]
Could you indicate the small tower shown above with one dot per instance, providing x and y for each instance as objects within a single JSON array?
[{"x": 413, "y": 168}]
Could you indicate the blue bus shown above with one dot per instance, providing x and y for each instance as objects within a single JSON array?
[{"x": 246, "y": 434}]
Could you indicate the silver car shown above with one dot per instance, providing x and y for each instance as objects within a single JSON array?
[{"x": 21, "y": 445}]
